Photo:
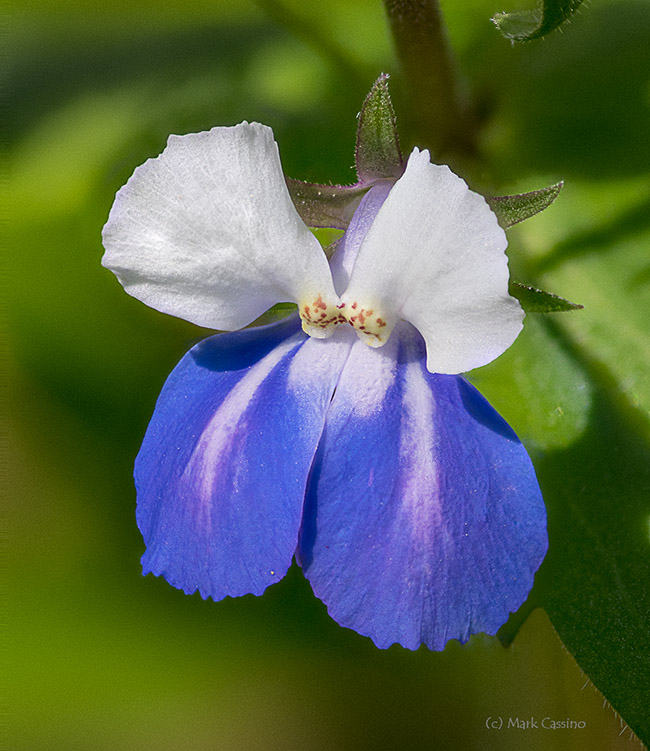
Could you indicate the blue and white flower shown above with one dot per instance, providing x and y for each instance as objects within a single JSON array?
[{"x": 411, "y": 506}]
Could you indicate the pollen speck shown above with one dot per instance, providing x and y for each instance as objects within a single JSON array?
[{"x": 373, "y": 329}]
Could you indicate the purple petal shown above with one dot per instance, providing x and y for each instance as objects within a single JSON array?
[
  {"x": 423, "y": 520},
  {"x": 222, "y": 471}
]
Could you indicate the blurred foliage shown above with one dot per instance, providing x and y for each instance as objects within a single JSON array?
[{"x": 101, "y": 658}]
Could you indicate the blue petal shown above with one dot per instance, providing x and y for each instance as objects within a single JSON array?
[
  {"x": 423, "y": 520},
  {"x": 222, "y": 471}
]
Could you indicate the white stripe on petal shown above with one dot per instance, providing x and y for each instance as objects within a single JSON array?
[
  {"x": 318, "y": 362},
  {"x": 367, "y": 376},
  {"x": 212, "y": 446},
  {"x": 418, "y": 457}
]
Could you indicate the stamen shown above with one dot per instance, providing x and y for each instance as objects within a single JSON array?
[
  {"x": 319, "y": 318},
  {"x": 371, "y": 326}
]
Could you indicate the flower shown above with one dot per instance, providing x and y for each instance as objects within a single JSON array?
[{"x": 411, "y": 506}]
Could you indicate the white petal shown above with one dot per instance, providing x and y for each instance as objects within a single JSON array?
[
  {"x": 435, "y": 256},
  {"x": 207, "y": 231}
]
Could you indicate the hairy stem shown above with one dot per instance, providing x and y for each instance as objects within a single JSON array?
[{"x": 439, "y": 114}]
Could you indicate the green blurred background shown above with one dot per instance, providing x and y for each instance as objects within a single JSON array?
[{"x": 102, "y": 658}]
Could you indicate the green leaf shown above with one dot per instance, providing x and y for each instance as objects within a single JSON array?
[
  {"x": 378, "y": 155},
  {"x": 594, "y": 583},
  {"x": 522, "y": 26},
  {"x": 537, "y": 301},
  {"x": 576, "y": 390},
  {"x": 325, "y": 205},
  {"x": 517, "y": 208},
  {"x": 591, "y": 451}
]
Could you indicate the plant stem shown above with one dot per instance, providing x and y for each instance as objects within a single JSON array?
[{"x": 439, "y": 114}]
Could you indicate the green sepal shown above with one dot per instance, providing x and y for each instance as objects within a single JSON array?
[
  {"x": 514, "y": 209},
  {"x": 378, "y": 155},
  {"x": 325, "y": 205},
  {"x": 534, "y": 300},
  {"x": 522, "y": 26}
]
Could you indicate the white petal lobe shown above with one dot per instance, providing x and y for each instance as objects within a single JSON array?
[
  {"x": 435, "y": 256},
  {"x": 207, "y": 231}
]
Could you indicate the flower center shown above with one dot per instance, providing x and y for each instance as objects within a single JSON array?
[
  {"x": 321, "y": 313},
  {"x": 320, "y": 318}
]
